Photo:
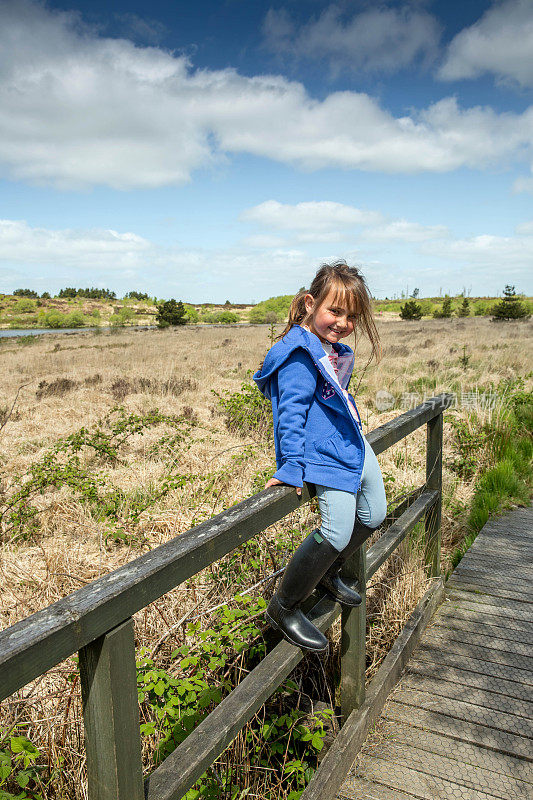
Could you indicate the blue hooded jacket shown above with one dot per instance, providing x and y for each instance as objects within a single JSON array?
[{"x": 316, "y": 437}]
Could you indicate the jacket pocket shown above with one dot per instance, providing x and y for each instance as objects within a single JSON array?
[{"x": 336, "y": 448}]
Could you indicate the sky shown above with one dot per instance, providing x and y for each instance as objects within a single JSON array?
[{"x": 223, "y": 150}]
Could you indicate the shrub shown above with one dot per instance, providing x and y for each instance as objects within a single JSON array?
[
  {"x": 247, "y": 411},
  {"x": 171, "y": 312},
  {"x": 510, "y": 307},
  {"x": 464, "y": 309},
  {"x": 411, "y": 310},
  {"x": 24, "y": 306},
  {"x": 445, "y": 311},
  {"x": 276, "y": 308},
  {"x": 122, "y": 317},
  {"x": 227, "y": 317}
]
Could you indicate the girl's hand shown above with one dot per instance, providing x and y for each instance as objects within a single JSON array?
[{"x": 275, "y": 482}]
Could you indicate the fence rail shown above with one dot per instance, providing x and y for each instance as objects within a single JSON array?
[{"x": 96, "y": 621}]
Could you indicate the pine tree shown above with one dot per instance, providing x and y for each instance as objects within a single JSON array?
[
  {"x": 510, "y": 307},
  {"x": 411, "y": 310},
  {"x": 464, "y": 309},
  {"x": 446, "y": 310},
  {"x": 171, "y": 312}
]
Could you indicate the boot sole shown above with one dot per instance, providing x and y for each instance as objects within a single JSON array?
[{"x": 291, "y": 641}]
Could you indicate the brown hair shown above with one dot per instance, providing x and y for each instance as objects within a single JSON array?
[{"x": 351, "y": 290}]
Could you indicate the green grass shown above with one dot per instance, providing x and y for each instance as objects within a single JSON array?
[{"x": 508, "y": 481}]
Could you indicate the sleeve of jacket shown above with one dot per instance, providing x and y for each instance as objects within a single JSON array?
[{"x": 297, "y": 379}]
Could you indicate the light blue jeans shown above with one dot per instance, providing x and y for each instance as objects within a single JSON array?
[{"x": 338, "y": 509}]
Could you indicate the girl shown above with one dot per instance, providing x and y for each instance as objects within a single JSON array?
[{"x": 319, "y": 438}]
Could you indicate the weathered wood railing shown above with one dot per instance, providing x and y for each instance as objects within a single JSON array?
[{"x": 96, "y": 621}]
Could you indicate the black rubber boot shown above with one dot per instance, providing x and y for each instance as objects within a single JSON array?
[
  {"x": 344, "y": 590},
  {"x": 302, "y": 574}
]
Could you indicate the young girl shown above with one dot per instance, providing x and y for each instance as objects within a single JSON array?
[{"x": 319, "y": 439}]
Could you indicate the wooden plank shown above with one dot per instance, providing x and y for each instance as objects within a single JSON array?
[
  {"x": 465, "y": 678},
  {"x": 511, "y": 636},
  {"x": 111, "y": 716},
  {"x": 392, "y": 432},
  {"x": 464, "y": 752},
  {"x": 477, "y": 636},
  {"x": 447, "y": 767},
  {"x": 433, "y": 482},
  {"x": 474, "y": 733},
  {"x": 353, "y": 640},
  {"x": 494, "y": 669},
  {"x": 419, "y": 784},
  {"x": 361, "y": 789},
  {"x": 39, "y": 642},
  {"x": 182, "y": 768},
  {"x": 337, "y": 761},
  {"x": 479, "y": 697},
  {"x": 492, "y": 605},
  {"x": 389, "y": 541},
  {"x": 522, "y": 664},
  {"x": 467, "y": 711},
  {"x": 487, "y": 587},
  {"x": 459, "y": 613}
]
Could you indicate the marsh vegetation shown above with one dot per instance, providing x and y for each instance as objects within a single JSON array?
[{"x": 114, "y": 443}]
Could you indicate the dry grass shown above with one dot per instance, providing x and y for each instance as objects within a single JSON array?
[{"x": 73, "y": 381}]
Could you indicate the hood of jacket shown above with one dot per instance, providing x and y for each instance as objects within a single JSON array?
[{"x": 299, "y": 337}]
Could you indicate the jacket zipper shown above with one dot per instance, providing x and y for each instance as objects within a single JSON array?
[{"x": 342, "y": 397}]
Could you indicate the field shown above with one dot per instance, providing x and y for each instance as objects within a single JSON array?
[{"x": 168, "y": 461}]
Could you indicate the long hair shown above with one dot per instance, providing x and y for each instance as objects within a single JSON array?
[{"x": 351, "y": 291}]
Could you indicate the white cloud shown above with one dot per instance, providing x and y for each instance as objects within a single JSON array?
[
  {"x": 501, "y": 42},
  {"x": 525, "y": 228},
  {"x": 523, "y": 184},
  {"x": 321, "y": 221},
  {"x": 80, "y": 110},
  {"x": 506, "y": 255},
  {"x": 21, "y": 243},
  {"x": 379, "y": 39},
  {"x": 403, "y": 231}
]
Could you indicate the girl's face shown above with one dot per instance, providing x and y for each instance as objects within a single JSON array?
[{"x": 331, "y": 320}]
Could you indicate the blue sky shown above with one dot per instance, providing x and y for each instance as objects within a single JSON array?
[{"x": 224, "y": 150}]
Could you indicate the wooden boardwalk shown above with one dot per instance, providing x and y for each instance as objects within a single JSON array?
[{"x": 460, "y": 723}]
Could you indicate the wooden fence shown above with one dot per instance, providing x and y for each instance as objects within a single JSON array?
[{"x": 96, "y": 621}]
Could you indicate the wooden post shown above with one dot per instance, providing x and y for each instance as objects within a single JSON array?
[
  {"x": 111, "y": 715},
  {"x": 433, "y": 481},
  {"x": 353, "y": 640}
]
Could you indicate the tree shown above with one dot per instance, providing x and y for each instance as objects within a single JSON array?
[
  {"x": 414, "y": 293},
  {"x": 411, "y": 310},
  {"x": 25, "y": 293},
  {"x": 171, "y": 312},
  {"x": 136, "y": 296},
  {"x": 464, "y": 309},
  {"x": 446, "y": 310},
  {"x": 510, "y": 307}
]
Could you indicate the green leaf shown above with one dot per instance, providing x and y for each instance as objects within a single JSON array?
[{"x": 317, "y": 742}]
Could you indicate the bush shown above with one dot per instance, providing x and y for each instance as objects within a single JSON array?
[
  {"x": 24, "y": 306},
  {"x": 464, "y": 309},
  {"x": 445, "y": 311},
  {"x": 171, "y": 312},
  {"x": 510, "y": 307},
  {"x": 411, "y": 310},
  {"x": 275, "y": 308},
  {"x": 191, "y": 314},
  {"x": 247, "y": 411},
  {"x": 122, "y": 317}
]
